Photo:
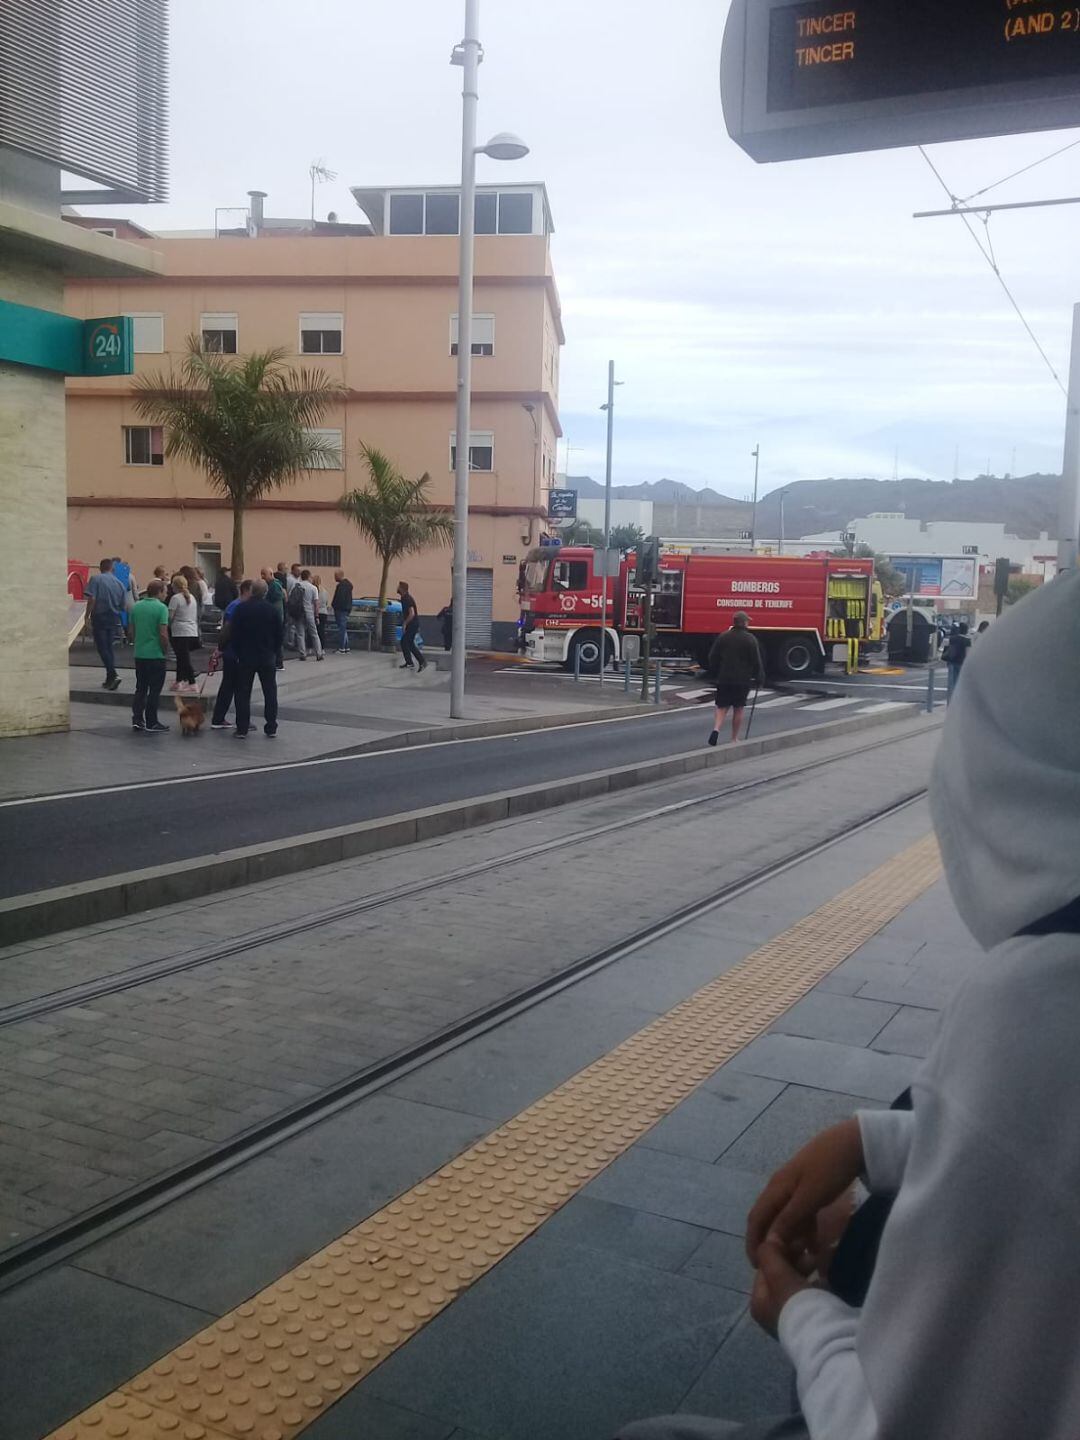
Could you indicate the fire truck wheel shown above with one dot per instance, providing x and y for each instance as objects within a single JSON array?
[
  {"x": 796, "y": 657},
  {"x": 587, "y": 645}
]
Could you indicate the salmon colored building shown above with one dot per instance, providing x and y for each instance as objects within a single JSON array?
[{"x": 373, "y": 304}]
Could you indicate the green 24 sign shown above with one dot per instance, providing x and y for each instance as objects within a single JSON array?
[{"x": 108, "y": 345}]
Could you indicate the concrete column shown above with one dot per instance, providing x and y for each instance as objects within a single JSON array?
[{"x": 33, "y": 504}]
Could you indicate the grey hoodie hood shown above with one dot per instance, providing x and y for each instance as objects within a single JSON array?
[{"x": 1005, "y": 793}]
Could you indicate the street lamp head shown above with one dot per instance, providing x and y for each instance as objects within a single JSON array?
[{"x": 504, "y": 146}]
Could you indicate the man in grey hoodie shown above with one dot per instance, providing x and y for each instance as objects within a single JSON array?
[{"x": 971, "y": 1327}]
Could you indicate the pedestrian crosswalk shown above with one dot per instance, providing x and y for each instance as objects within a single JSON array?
[{"x": 688, "y": 693}]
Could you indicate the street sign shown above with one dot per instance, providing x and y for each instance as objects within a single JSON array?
[
  {"x": 108, "y": 346},
  {"x": 820, "y": 78},
  {"x": 562, "y": 504},
  {"x": 47, "y": 340}
]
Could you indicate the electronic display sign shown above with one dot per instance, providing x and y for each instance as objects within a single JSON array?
[{"x": 819, "y": 78}]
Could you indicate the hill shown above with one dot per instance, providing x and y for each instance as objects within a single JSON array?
[
  {"x": 661, "y": 492},
  {"x": 1025, "y": 505}
]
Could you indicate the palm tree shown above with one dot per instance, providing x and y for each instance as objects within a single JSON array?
[
  {"x": 394, "y": 514},
  {"x": 244, "y": 422}
]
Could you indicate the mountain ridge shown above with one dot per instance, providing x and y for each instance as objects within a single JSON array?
[{"x": 1026, "y": 505}]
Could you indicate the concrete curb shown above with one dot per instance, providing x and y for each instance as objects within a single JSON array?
[
  {"x": 469, "y": 730},
  {"x": 45, "y": 912}
]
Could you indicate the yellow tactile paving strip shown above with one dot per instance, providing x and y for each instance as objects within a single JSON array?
[{"x": 276, "y": 1363}]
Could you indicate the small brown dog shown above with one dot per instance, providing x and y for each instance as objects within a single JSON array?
[{"x": 192, "y": 715}]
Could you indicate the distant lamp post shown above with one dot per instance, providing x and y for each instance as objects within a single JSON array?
[
  {"x": 530, "y": 410},
  {"x": 756, "y": 452},
  {"x": 610, "y": 408},
  {"x": 780, "y": 545},
  {"x": 503, "y": 146}
]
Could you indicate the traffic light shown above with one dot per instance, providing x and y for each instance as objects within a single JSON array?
[
  {"x": 1001, "y": 576},
  {"x": 647, "y": 560}
]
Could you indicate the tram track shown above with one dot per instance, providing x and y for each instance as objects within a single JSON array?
[
  {"x": 164, "y": 968},
  {"x": 59, "y": 1243}
]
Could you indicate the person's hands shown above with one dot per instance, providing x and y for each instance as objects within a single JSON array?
[
  {"x": 819, "y": 1173},
  {"x": 775, "y": 1282}
]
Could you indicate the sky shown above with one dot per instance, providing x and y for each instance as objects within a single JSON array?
[{"x": 795, "y": 306}]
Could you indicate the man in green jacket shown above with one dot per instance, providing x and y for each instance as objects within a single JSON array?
[{"x": 148, "y": 624}]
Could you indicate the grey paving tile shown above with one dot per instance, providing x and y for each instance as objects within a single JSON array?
[
  {"x": 821, "y": 1016},
  {"x": 910, "y": 1032},
  {"x": 682, "y": 1189},
  {"x": 661, "y": 975},
  {"x": 826, "y": 1066},
  {"x": 748, "y": 1379},
  {"x": 561, "y": 1340},
  {"x": 630, "y": 1233},
  {"x": 219, "y": 1245},
  {"x": 707, "y": 1122},
  {"x": 721, "y": 1260},
  {"x": 927, "y": 993},
  {"x": 90, "y": 1333},
  {"x": 359, "y": 1414},
  {"x": 795, "y": 1117},
  {"x": 508, "y": 1069}
]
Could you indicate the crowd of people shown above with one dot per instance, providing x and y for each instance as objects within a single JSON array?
[{"x": 286, "y": 608}]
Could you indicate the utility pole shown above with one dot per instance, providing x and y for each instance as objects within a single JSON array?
[
  {"x": 610, "y": 408},
  {"x": 503, "y": 146},
  {"x": 469, "y": 52},
  {"x": 756, "y": 452},
  {"x": 780, "y": 546},
  {"x": 1069, "y": 495}
]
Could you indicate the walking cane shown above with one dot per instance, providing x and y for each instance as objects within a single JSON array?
[{"x": 753, "y": 707}]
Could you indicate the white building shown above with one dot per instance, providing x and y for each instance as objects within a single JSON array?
[
  {"x": 896, "y": 534},
  {"x": 623, "y": 512}
]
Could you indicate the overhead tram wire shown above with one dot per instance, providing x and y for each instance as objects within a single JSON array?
[
  {"x": 1022, "y": 171},
  {"x": 988, "y": 256}
]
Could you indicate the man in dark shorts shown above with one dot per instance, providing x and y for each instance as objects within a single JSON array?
[{"x": 736, "y": 664}]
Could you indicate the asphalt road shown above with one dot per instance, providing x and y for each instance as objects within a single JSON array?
[{"x": 59, "y": 840}]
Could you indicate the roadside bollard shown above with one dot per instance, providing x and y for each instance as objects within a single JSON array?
[
  {"x": 930, "y": 689},
  {"x": 656, "y": 683},
  {"x": 626, "y": 676},
  {"x": 577, "y": 662}
]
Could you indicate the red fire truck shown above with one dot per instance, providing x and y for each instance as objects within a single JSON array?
[{"x": 802, "y": 610}]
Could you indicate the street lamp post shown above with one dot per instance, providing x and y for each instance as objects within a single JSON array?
[
  {"x": 780, "y": 547},
  {"x": 500, "y": 147},
  {"x": 756, "y": 452},
  {"x": 610, "y": 408}
]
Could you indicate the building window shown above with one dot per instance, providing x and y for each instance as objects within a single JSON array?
[
  {"x": 502, "y": 212},
  {"x": 311, "y": 555},
  {"x": 104, "y": 230},
  {"x": 406, "y": 214},
  {"x": 149, "y": 333},
  {"x": 481, "y": 450},
  {"x": 332, "y": 460},
  {"x": 486, "y": 212},
  {"x": 483, "y": 339},
  {"x": 218, "y": 334},
  {"x": 441, "y": 215},
  {"x": 320, "y": 333},
  {"x": 515, "y": 213},
  {"x": 144, "y": 445}
]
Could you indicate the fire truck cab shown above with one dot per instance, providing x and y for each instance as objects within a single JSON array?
[{"x": 801, "y": 609}]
